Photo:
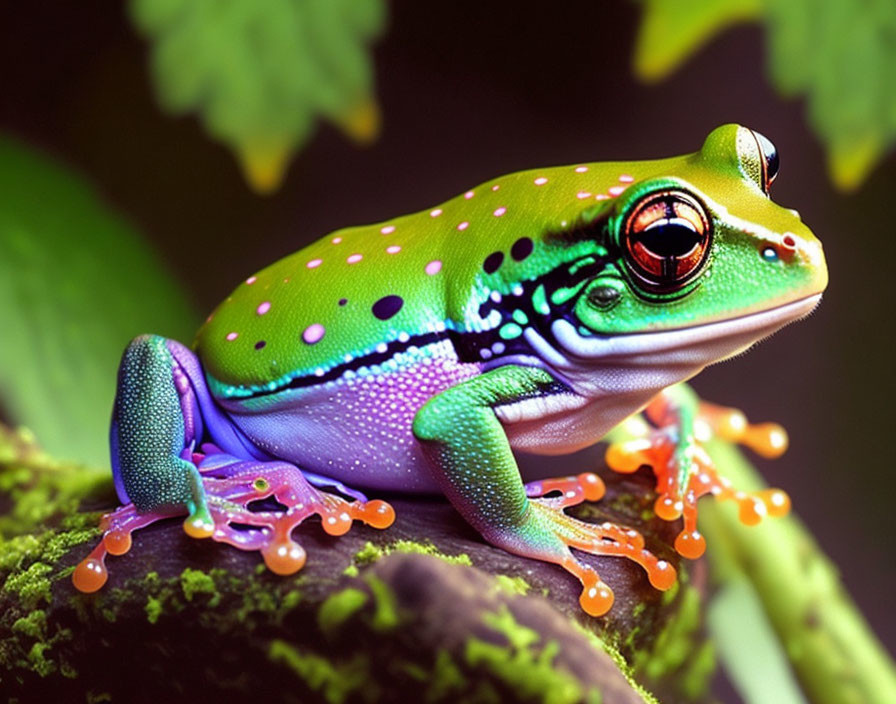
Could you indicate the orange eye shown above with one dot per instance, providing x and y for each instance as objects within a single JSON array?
[{"x": 666, "y": 240}]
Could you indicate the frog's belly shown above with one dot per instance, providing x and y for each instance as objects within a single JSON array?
[{"x": 358, "y": 429}]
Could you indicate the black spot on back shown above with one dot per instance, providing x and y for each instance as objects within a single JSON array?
[
  {"x": 387, "y": 306},
  {"x": 493, "y": 262},
  {"x": 521, "y": 249}
]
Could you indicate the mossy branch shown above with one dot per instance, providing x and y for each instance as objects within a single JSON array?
[{"x": 426, "y": 607}]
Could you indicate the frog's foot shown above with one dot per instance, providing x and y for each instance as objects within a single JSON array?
[
  {"x": 91, "y": 574},
  {"x": 230, "y": 486},
  {"x": 551, "y": 532},
  {"x": 685, "y": 472},
  {"x": 270, "y": 531}
]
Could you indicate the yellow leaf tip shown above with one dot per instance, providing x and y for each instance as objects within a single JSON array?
[
  {"x": 362, "y": 122},
  {"x": 264, "y": 166}
]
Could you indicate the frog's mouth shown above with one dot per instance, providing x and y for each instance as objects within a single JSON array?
[{"x": 694, "y": 347}]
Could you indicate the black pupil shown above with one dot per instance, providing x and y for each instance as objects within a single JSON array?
[
  {"x": 770, "y": 155},
  {"x": 668, "y": 239}
]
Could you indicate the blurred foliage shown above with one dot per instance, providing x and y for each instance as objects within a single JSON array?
[
  {"x": 840, "y": 54},
  {"x": 76, "y": 283},
  {"x": 259, "y": 73}
]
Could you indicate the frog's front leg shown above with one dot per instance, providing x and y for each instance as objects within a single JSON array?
[
  {"x": 162, "y": 412},
  {"x": 674, "y": 449},
  {"x": 473, "y": 463}
]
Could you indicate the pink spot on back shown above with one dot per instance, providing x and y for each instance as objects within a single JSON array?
[
  {"x": 336, "y": 240},
  {"x": 387, "y": 229},
  {"x": 251, "y": 280},
  {"x": 434, "y": 267},
  {"x": 615, "y": 190},
  {"x": 263, "y": 308},
  {"x": 581, "y": 169},
  {"x": 495, "y": 187},
  {"x": 231, "y": 336},
  {"x": 540, "y": 181},
  {"x": 354, "y": 258},
  {"x": 394, "y": 249},
  {"x": 499, "y": 212},
  {"x": 625, "y": 178},
  {"x": 314, "y": 263},
  {"x": 602, "y": 196},
  {"x": 435, "y": 213},
  {"x": 583, "y": 194},
  {"x": 463, "y": 225},
  {"x": 469, "y": 194},
  {"x": 313, "y": 333}
]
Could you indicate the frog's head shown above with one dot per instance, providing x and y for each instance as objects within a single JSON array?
[{"x": 701, "y": 259}]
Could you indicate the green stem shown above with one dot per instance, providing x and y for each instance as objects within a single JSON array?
[{"x": 834, "y": 653}]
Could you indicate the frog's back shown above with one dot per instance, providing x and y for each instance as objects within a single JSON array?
[{"x": 367, "y": 290}]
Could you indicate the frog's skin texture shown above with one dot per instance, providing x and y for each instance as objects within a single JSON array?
[{"x": 534, "y": 312}]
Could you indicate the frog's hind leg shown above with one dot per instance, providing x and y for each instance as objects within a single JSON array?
[
  {"x": 155, "y": 424},
  {"x": 162, "y": 411},
  {"x": 231, "y": 485},
  {"x": 674, "y": 449}
]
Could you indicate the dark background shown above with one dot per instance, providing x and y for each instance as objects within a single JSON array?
[{"x": 471, "y": 90}]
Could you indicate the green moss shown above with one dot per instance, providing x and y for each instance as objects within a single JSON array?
[
  {"x": 335, "y": 682},
  {"x": 38, "y": 662},
  {"x": 351, "y": 571},
  {"x": 338, "y": 608},
  {"x": 34, "y": 625},
  {"x": 513, "y": 585},
  {"x": 370, "y": 553},
  {"x": 700, "y": 668},
  {"x": 385, "y": 615},
  {"x": 153, "y": 609},
  {"x": 613, "y": 652},
  {"x": 446, "y": 678},
  {"x": 503, "y": 621},
  {"x": 675, "y": 642},
  {"x": 195, "y": 582},
  {"x": 520, "y": 666},
  {"x": 31, "y": 586}
]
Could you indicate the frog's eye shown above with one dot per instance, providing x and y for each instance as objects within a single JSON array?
[
  {"x": 770, "y": 160},
  {"x": 666, "y": 240}
]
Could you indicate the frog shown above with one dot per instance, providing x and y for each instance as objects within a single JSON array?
[{"x": 533, "y": 313}]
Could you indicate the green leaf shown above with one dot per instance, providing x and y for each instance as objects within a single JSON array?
[
  {"x": 840, "y": 54},
  {"x": 76, "y": 284},
  {"x": 260, "y": 73},
  {"x": 672, "y": 30}
]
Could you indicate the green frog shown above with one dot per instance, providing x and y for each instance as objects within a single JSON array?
[{"x": 532, "y": 313}]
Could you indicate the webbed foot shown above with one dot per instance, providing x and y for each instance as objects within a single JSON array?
[
  {"x": 231, "y": 485},
  {"x": 549, "y": 533},
  {"x": 675, "y": 449}
]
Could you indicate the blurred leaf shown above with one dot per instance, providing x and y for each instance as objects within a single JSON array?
[
  {"x": 839, "y": 53},
  {"x": 842, "y": 54},
  {"x": 672, "y": 30},
  {"x": 260, "y": 73},
  {"x": 76, "y": 284},
  {"x": 760, "y": 671}
]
